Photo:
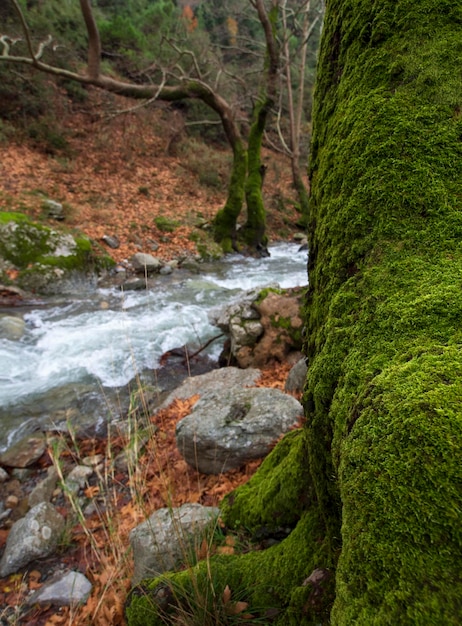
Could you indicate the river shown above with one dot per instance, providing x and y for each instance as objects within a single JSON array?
[{"x": 81, "y": 348}]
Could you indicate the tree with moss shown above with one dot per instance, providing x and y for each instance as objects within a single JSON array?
[{"x": 369, "y": 491}]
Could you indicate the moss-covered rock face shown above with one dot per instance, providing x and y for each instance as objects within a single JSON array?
[{"x": 44, "y": 258}]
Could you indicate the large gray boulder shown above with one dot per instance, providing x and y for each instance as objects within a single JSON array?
[
  {"x": 166, "y": 539},
  {"x": 32, "y": 537},
  {"x": 231, "y": 378},
  {"x": 229, "y": 427}
]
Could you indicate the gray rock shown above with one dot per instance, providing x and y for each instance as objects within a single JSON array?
[
  {"x": 225, "y": 377},
  {"x": 55, "y": 209},
  {"x": 11, "y": 327},
  {"x": 134, "y": 284},
  {"x": 296, "y": 378},
  {"x": 32, "y": 537},
  {"x": 145, "y": 263},
  {"x": 228, "y": 428},
  {"x": 25, "y": 451},
  {"x": 164, "y": 540},
  {"x": 111, "y": 240},
  {"x": 43, "y": 491},
  {"x": 77, "y": 478},
  {"x": 242, "y": 309},
  {"x": 191, "y": 265},
  {"x": 64, "y": 589},
  {"x": 4, "y": 476},
  {"x": 245, "y": 333}
]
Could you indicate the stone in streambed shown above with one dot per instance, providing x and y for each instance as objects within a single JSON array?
[
  {"x": 164, "y": 540},
  {"x": 145, "y": 263}
]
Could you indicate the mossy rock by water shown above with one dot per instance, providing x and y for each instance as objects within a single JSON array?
[{"x": 46, "y": 260}]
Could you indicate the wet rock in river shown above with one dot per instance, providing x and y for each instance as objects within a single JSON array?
[{"x": 11, "y": 327}]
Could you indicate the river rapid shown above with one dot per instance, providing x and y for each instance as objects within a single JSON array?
[{"x": 77, "y": 354}]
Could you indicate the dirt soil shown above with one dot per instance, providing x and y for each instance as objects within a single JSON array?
[{"x": 115, "y": 177}]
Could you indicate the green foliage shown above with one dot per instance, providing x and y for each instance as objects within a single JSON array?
[
  {"x": 165, "y": 224},
  {"x": 119, "y": 35}
]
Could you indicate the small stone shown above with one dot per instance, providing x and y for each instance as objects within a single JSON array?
[
  {"x": 21, "y": 473},
  {"x": 55, "y": 210},
  {"x": 77, "y": 478},
  {"x": 93, "y": 461},
  {"x": 11, "y": 502},
  {"x": 32, "y": 537},
  {"x": 68, "y": 589},
  {"x": 111, "y": 240},
  {"x": 145, "y": 263},
  {"x": 133, "y": 284},
  {"x": 44, "y": 490},
  {"x": 4, "y": 476}
]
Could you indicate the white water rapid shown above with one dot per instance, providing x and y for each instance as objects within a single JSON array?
[{"x": 105, "y": 338}]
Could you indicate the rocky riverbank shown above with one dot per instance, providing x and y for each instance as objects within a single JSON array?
[
  {"x": 59, "y": 492},
  {"x": 71, "y": 501}
]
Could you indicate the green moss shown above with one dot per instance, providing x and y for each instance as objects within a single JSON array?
[
  {"x": 271, "y": 581},
  {"x": 384, "y": 312},
  {"x": 225, "y": 222},
  {"x": 9, "y": 216},
  {"x": 165, "y": 225},
  {"x": 279, "y": 491},
  {"x": 264, "y": 293},
  {"x": 35, "y": 249},
  {"x": 295, "y": 334}
]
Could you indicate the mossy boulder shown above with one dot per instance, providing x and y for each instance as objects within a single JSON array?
[{"x": 45, "y": 260}]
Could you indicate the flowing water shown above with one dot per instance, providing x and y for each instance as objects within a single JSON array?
[{"x": 101, "y": 339}]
